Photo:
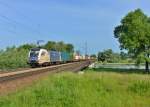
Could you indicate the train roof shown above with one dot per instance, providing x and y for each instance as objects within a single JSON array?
[{"x": 35, "y": 49}]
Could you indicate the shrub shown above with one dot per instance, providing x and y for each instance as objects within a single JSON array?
[{"x": 13, "y": 58}]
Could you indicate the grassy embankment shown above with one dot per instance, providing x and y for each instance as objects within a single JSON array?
[{"x": 92, "y": 89}]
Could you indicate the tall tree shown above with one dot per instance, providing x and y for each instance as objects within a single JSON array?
[
  {"x": 69, "y": 48},
  {"x": 93, "y": 56},
  {"x": 101, "y": 56},
  {"x": 26, "y": 46},
  {"x": 50, "y": 45},
  {"x": 107, "y": 55},
  {"x": 134, "y": 35},
  {"x": 59, "y": 46}
]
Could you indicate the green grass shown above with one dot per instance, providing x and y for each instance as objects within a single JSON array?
[{"x": 91, "y": 89}]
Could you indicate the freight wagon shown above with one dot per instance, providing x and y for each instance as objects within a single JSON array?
[
  {"x": 55, "y": 57},
  {"x": 66, "y": 57}
]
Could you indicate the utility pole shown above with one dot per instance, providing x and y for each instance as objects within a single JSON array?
[{"x": 86, "y": 49}]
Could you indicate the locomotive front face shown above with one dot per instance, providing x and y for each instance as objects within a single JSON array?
[
  {"x": 33, "y": 56},
  {"x": 38, "y": 57}
]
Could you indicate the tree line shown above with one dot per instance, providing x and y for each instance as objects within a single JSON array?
[
  {"x": 109, "y": 56},
  {"x": 51, "y": 45}
]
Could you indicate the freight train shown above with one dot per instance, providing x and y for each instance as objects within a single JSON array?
[{"x": 42, "y": 57}]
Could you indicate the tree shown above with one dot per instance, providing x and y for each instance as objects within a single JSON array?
[
  {"x": 106, "y": 55},
  {"x": 69, "y": 48},
  {"x": 101, "y": 57},
  {"x": 59, "y": 46},
  {"x": 93, "y": 56},
  {"x": 133, "y": 35},
  {"x": 50, "y": 45},
  {"x": 123, "y": 55},
  {"x": 26, "y": 46}
]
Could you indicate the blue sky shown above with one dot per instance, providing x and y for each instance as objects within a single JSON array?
[{"x": 71, "y": 21}]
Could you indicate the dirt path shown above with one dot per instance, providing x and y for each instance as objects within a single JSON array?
[
  {"x": 14, "y": 85},
  {"x": 18, "y": 69}
]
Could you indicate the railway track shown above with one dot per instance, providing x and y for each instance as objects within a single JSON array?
[
  {"x": 74, "y": 66},
  {"x": 13, "y": 81}
]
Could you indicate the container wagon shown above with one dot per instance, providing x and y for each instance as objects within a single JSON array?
[
  {"x": 55, "y": 57},
  {"x": 66, "y": 57}
]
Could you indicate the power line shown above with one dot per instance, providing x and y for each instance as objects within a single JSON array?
[
  {"x": 86, "y": 48},
  {"x": 8, "y": 22},
  {"x": 8, "y": 30},
  {"x": 18, "y": 23},
  {"x": 11, "y": 31},
  {"x": 18, "y": 12}
]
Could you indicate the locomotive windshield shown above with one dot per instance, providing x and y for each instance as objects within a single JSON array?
[{"x": 34, "y": 53}]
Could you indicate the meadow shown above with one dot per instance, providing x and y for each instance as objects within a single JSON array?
[{"x": 89, "y": 89}]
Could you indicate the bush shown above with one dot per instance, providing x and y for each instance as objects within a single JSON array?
[{"x": 13, "y": 58}]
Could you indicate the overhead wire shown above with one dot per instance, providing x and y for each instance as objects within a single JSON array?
[
  {"x": 13, "y": 22},
  {"x": 10, "y": 31},
  {"x": 16, "y": 10},
  {"x": 16, "y": 22}
]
